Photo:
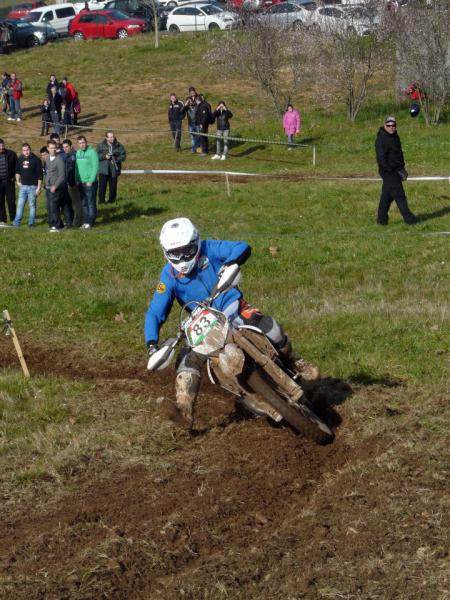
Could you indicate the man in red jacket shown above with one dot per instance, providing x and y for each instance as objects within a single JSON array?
[{"x": 15, "y": 94}]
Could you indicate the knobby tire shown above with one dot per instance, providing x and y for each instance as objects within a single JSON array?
[{"x": 301, "y": 423}]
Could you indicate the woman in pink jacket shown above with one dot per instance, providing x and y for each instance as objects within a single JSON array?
[{"x": 291, "y": 124}]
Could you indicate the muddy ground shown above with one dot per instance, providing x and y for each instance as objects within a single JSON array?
[{"x": 239, "y": 510}]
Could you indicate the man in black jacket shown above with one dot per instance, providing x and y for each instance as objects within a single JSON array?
[
  {"x": 203, "y": 119},
  {"x": 391, "y": 166},
  {"x": 8, "y": 161},
  {"x": 29, "y": 179},
  {"x": 176, "y": 114}
]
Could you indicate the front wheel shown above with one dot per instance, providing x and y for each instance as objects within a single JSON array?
[
  {"x": 174, "y": 28},
  {"x": 122, "y": 34},
  {"x": 297, "y": 25},
  {"x": 33, "y": 41},
  {"x": 303, "y": 419},
  {"x": 213, "y": 27}
]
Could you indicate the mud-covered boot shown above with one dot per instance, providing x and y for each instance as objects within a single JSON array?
[
  {"x": 308, "y": 371},
  {"x": 186, "y": 389}
]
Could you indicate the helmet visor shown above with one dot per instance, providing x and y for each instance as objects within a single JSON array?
[{"x": 184, "y": 253}]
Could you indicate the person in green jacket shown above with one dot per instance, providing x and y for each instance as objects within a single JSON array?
[
  {"x": 86, "y": 171},
  {"x": 111, "y": 154}
]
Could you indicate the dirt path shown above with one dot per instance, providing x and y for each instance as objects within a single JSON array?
[{"x": 244, "y": 510}]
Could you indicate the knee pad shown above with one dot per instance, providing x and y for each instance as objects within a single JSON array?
[{"x": 187, "y": 385}]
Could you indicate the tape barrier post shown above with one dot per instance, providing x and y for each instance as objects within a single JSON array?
[
  {"x": 314, "y": 156},
  {"x": 10, "y": 331},
  {"x": 227, "y": 184}
]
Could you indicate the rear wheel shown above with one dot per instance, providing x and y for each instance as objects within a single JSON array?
[
  {"x": 174, "y": 28},
  {"x": 297, "y": 25},
  {"x": 78, "y": 36},
  {"x": 303, "y": 419},
  {"x": 122, "y": 34}
]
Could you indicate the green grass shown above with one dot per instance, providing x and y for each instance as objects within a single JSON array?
[{"x": 368, "y": 304}]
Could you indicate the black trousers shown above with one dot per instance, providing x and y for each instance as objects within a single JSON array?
[
  {"x": 8, "y": 193},
  {"x": 175, "y": 128},
  {"x": 55, "y": 203},
  {"x": 393, "y": 190},
  {"x": 103, "y": 181},
  {"x": 204, "y": 140}
]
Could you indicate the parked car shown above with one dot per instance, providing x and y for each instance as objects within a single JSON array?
[
  {"x": 140, "y": 9},
  {"x": 27, "y": 35},
  {"x": 105, "y": 24},
  {"x": 328, "y": 18},
  {"x": 292, "y": 14},
  {"x": 200, "y": 17},
  {"x": 21, "y": 10},
  {"x": 57, "y": 15}
]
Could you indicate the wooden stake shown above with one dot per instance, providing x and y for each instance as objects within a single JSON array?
[
  {"x": 227, "y": 183},
  {"x": 314, "y": 156},
  {"x": 10, "y": 329}
]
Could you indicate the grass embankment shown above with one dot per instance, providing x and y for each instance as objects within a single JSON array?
[{"x": 369, "y": 304}]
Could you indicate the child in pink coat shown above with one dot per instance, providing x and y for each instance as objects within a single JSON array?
[{"x": 291, "y": 124}]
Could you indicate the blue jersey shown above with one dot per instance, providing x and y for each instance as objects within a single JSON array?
[{"x": 196, "y": 285}]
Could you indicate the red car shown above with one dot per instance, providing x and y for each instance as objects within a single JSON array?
[
  {"x": 104, "y": 24},
  {"x": 21, "y": 10}
]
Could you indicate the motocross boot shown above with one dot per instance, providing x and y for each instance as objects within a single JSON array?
[
  {"x": 187, "y": 385},
  {"x": 308, "y": 371}
]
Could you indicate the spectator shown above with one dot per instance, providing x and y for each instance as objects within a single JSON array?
[
  {"x": 8, "y": 161},
  {"x": 46, "y": 117},
  {"x": 52, "y": 82},
  {"x": 56, "y": 138},
  {"x": 203, "y": 119},
  {"x": 54, "y": 184},
  {"x": 222, "y": 115},
  {"x": 55, "y": 106},
  {"x": 391, "y": 166},
  {"x": 29, "y": 180},
  {"x": 291, "y": 124},
  {"x": 72, "y": 190},
  {"x": 70, "y": 100},
  {"x": 6, "y": 79},
  {"x": 111, "y": 154},
  {"x": 190, "y": 109},
  {"x": 176, "y": 115},
  {"x": 5, "y": 37},
  {"x": 15, "y": 95},
  {"x": 86, "y": 171},
  {"x": 192, "y": 93}
]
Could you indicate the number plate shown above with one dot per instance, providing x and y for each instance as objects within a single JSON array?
[{"x": 200, "y": 327}]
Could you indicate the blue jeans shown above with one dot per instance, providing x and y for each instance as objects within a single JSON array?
[
  {"x": 193, "y": 129},
  {"x": 290, "y": 140},
  {"x": 26, "y": 192},
  {"x": 88, "y": 200},
  {"x": 16, "y": 111}
]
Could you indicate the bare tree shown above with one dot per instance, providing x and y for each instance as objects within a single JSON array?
[
  {"x": 349, "y": 48},
  {"x": 272, "y": 57},
  {"x": 421, "y": 34},
  {"x": 154, "y": 4}
]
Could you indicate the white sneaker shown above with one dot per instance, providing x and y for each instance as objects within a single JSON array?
[
  {"x": 10, "y": 119},
  {"x": 53, "y": 230},
  {"x": 18, "y": 119},
  {"x": 215, "y": 157},
  {"x": 223, "y": 157},
  {"x": 85, "y": 226}
]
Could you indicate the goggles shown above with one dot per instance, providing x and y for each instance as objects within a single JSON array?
[{"x": 184, "y": 253}]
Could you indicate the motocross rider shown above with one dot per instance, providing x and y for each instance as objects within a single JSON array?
[{"x": 192, "y": 270}]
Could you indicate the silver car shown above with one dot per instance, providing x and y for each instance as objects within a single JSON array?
[{"x": 293, "y": 14}]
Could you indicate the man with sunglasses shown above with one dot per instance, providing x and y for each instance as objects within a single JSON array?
[
  {"x": 391, "y": 166},
  {"x": 192, "y": 270}
]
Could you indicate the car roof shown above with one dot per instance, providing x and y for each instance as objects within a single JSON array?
[{"x": 47, "y": 6}]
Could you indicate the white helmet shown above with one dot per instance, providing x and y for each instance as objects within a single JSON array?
[{"x": 180, "y": 242}]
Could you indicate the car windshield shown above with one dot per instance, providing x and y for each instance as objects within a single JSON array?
[
  {"x": 209, "y": 9},
  {"x": 22, "y": 25},
  {"x": 33, "y": 17},
  {"x": 118, "y": 15}
]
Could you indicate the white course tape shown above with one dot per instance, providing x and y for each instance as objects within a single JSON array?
[{"x": 241, "y": 174}]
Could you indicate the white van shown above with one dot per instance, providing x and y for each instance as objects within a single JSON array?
[{"x": 56, "y": 15}]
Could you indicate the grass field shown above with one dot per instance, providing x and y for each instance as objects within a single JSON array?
[{"x": 102, "y": 496}]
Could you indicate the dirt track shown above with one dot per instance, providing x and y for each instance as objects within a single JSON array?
[{"x": 241, "y": 510}]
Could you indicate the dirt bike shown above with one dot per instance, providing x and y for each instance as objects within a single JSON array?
[{"x": 242, "y": 360}]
